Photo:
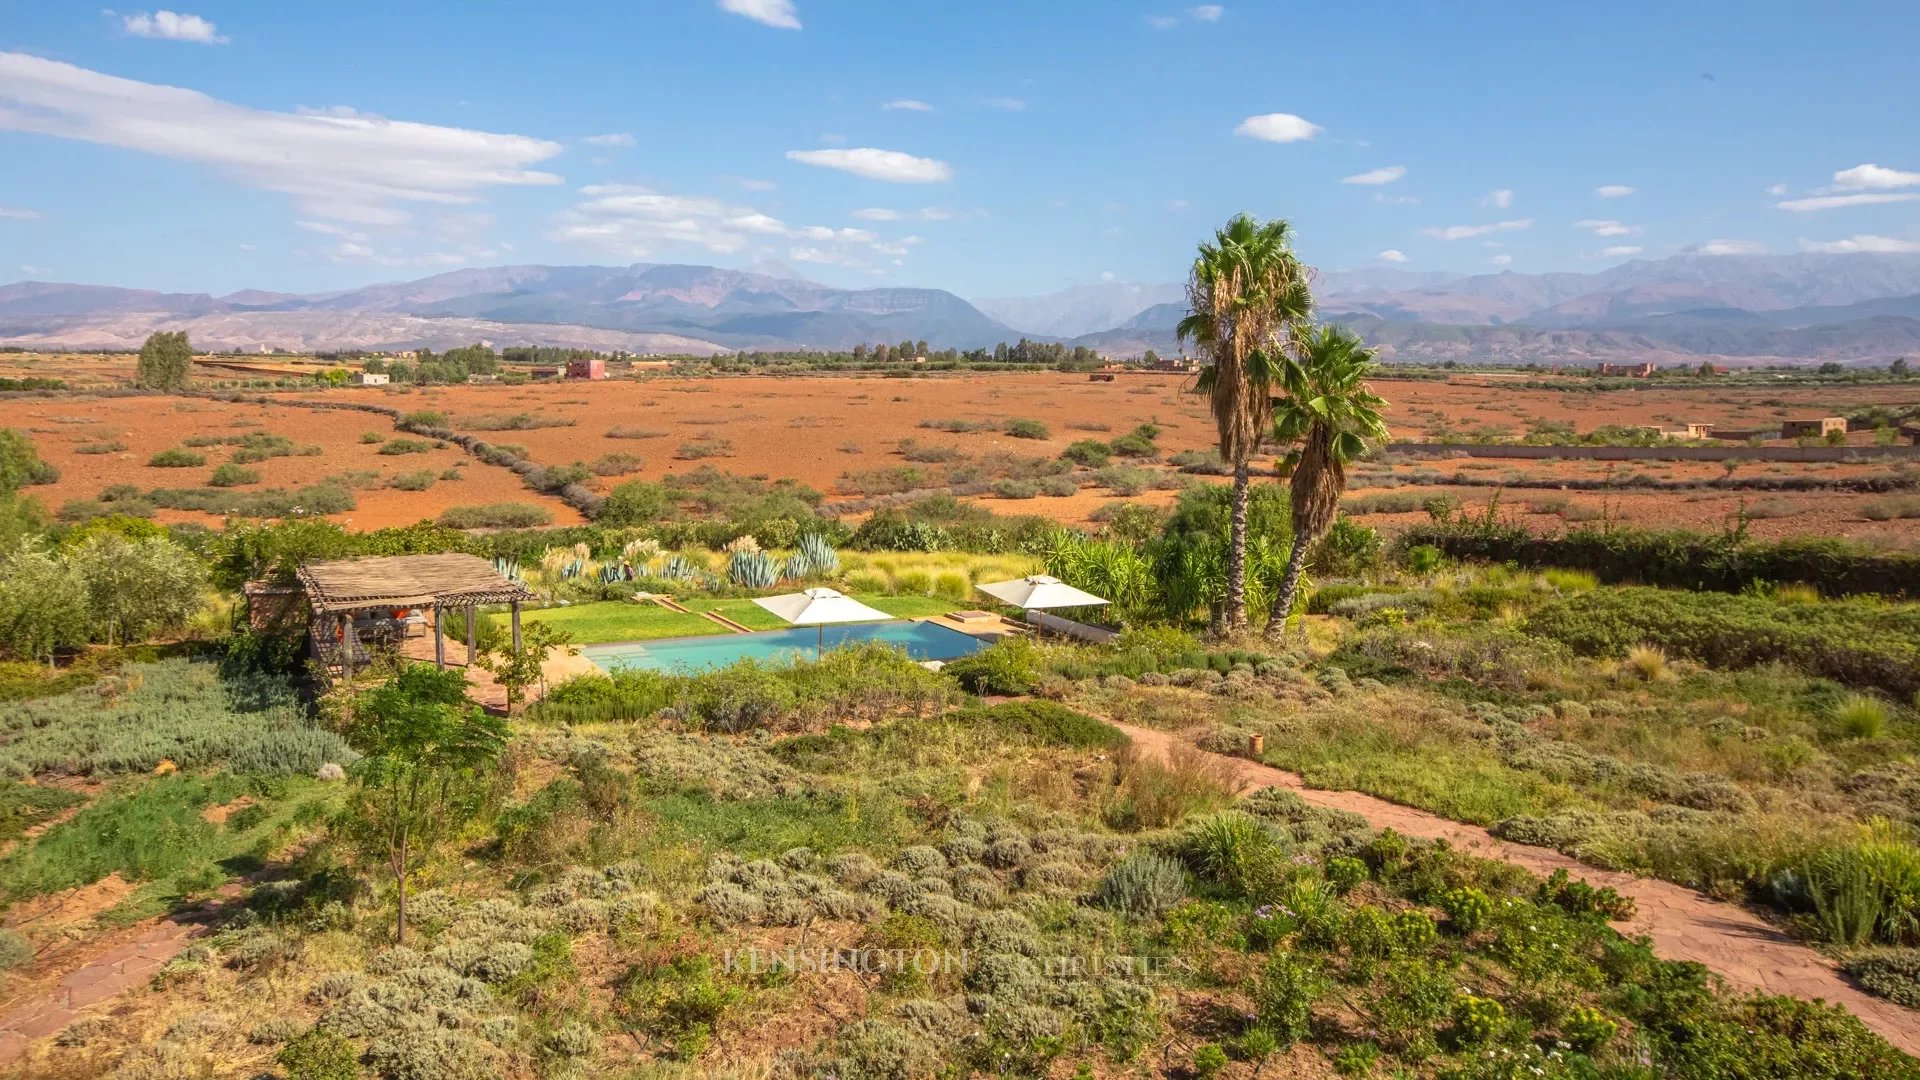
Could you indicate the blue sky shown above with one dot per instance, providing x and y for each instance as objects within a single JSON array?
[{"x": 987, "y": 147}]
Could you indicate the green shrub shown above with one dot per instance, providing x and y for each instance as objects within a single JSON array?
[
  {"x": 506, "y": 515},
  {"x": 1235, "y": 850},
  {"x": 425, "y": 418},
  {"x": 1587, "y": 1028},
  {"x": 679, "y": 1001},
  {"x": 1089, "y": 452},
  {"x": 231, "y": 475},
  {"x": 398, "y": 447},
  {"x": 1467, "y": 908},
  {"x": 1477, "y": 1020},
  {"x": 177, "y": 458},
  {"x": 1356, "y": 1059},
  {"x": 1284, "y": 994},
  {"x": 418, "y": 480},
  {"x": 1143, "y": 884},
  {"x": 1059, "y": 487},
  {"x": 1894, "y": 974},
  {"x": 1015, "y": 489},
  {"x": 1011, "y": 665},
  {"x": 1209, "y": 1060},
  {"x": 319, "y": 1054},
  {"x": 1026, "y": 429}
]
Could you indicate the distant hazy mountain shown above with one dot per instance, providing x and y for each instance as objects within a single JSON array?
[
  {"x": 1081, "y": 309},
  {"x": 1851, "y": 308},
  {"x": 710, "y": 308}
]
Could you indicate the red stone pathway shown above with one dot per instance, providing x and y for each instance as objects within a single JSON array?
[
  {"x": 129, "y": 963},
  {"x": 1683, "y": 925}
]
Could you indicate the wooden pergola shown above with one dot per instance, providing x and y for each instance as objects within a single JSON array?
[{"x": 340, "y": 592}]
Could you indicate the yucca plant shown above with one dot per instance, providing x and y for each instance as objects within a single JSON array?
[{"x": 752, "y": 570}]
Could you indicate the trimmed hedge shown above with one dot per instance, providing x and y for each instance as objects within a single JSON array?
[{"x": 1683, "y": 560}]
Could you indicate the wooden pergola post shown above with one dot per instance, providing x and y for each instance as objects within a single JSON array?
[
  {"x": 516, "y": 626},
  {"x": 471, "y": 657},
  {"x": 439, "y": 638}
]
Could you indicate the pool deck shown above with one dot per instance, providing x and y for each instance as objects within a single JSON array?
[{"x": 557, "y": 668}]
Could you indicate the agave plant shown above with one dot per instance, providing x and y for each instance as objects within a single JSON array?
[
  {"x": 678, "y": 568},
  {"x": 613, "y": 573},
  {"x": 752, "y": 570},
  {"x": 818, "y": 553},
  {"x": 507, "y": 566}
]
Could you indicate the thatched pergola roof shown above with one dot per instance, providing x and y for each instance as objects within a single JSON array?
[{"x": 407, "y": 581}]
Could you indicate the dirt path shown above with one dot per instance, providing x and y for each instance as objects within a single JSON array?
[
  {"x": 122, "y": 962},
  {"x": 1683, "y": 925}
]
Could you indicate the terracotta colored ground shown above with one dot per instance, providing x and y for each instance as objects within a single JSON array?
[
  {"x": 1683, "y": 925},
  {"x": 822, "y": 429}
]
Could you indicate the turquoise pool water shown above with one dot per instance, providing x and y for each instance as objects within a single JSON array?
[{"x": 922, "y": 641}]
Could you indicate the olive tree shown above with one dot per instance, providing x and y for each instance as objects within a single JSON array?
[
  {"x": 43, "y": 604},
  {"x": 137, "y": 588}
]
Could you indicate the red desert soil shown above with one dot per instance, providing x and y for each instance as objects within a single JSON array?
[
  {"x": 818, "y": 429},
  {"x": 1683, "y": 925}
]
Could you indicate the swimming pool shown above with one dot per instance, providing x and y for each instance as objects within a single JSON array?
[{"x": 921, "y": 640}]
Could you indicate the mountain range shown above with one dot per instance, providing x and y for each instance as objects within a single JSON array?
[{"x": 1742, "y": 308}]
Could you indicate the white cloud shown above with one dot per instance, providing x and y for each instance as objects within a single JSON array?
[
  {"x": 889, "y": 165},
  {"x": 875, "y": 213},
  {"x": 1877, "y": 245},
  {"x": 1874, "y": 176},
  {"x": 172, "y": 26},
  {"x": 1601, "y": 227},
  {"x": 1462, "y": 232},
  {"x": 1777, "y": 189},
  {"x": 1499, "y": 198},
  {"x": 757, "y": 185},
  {"x": 615, "y": 138},
  {"x": 775, "y": 13},
  {"x": 635, "y": 222},
  {"x": 907, "y": 105},
  {"x": 335, "y": 163},
  {"x": 35, "y": 271},
  {"x": 1278, "y": 127},
  {"x": 1621, "y": 250},
  {"x": 327, "y": 228},
  {"x": 1834, "y": 202},
  {"x": 18, "y": 213},
  {"x": 1613, "y": 191},
  {"x": 1206, "y": 13},
  {"x": 1392, "y": 255},
  {"x": 1727, "y": 247},
  {"x": 1384, "y": 175},
  {"x": 935, "y": 213},
  {"x": 1007, "y": 104},
  {"x": 1501, "y": 260}
]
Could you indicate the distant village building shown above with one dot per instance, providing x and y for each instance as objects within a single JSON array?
[
  {"x": 1627, "y": 371},
  {"x": 1699, "y": 431},
  {"x": 594, "y": 368},
  {"x": 1175, "y": 363},
  {"x": 368, "y": 378},
  {"x": 1799, "y": 429}
]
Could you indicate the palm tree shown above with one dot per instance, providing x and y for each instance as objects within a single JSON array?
[
  {"x": 1246, "y": 292},
  {"x": 1330, "y": 412}
]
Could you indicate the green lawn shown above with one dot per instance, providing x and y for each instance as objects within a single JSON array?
[{"x": 619, "y": 620}]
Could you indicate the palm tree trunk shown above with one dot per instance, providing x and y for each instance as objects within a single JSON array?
[
  {"x": 1237, "y": 551},
  {"x": 1289, "y": 587}
]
